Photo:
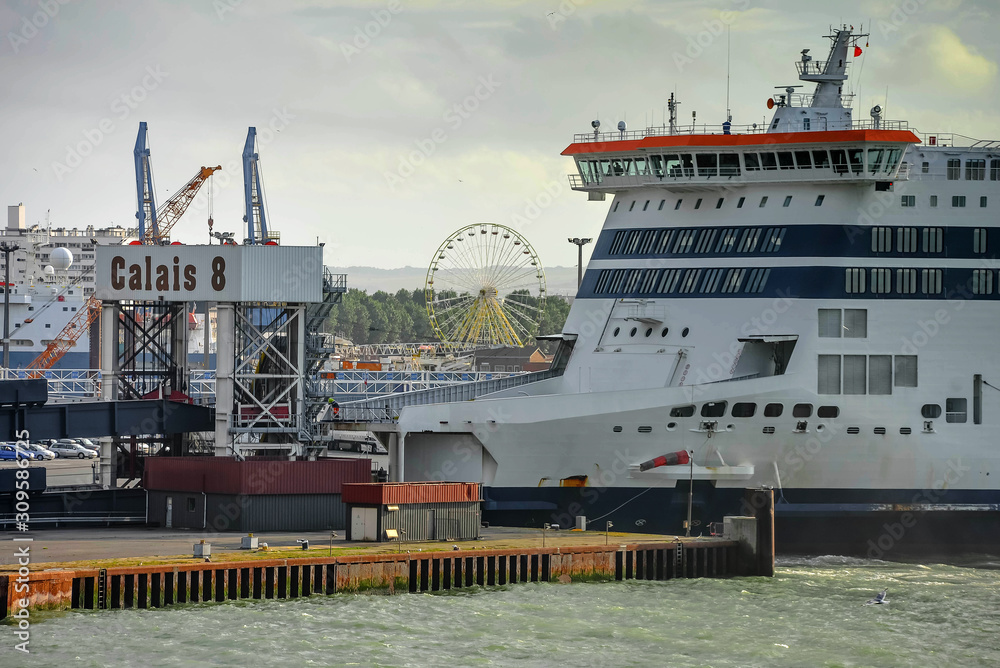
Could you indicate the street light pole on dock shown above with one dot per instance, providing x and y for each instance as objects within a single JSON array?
[
  {"x": 580, "y": 243},
  {"x": 7, "y": 249}
]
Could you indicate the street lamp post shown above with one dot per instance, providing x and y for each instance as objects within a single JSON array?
[
  {"x": 6, "y": 249},
  {"x": 580, "y": 243}
]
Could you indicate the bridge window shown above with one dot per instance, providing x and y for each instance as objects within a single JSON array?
[
  {"x": 632, "y": 280},
  {"x": 649, "y": 281},
  {"x": 684, "y": 241},
  {"x": 906, "y": 281},
  {"x": 705, "y": 239},
  {"x": 668, "y": 283},
  {"x": 726, "y": 241},
  {"x": 688, "y": 166},
  {"x": 729, "y": 164},
  {"x": 647, "y": 240},
  {"x": 994, "y": 170},
  {"x": 908, "y": 200},
  {"x": 906, "y": 239},
  {"x": 975, "y": 170},
  {"x": 892, "y": 160},
  {"x": 954, "y": 169},
  {"x": 617, "y": 242},
  {"x": 752, "y": 162},
  {"x": 979, "y": 240},
  {"x": 875, "y": 159},
  {"x": 958, "y": 201},
  {"x": 839, "y": 160},
  {"x": 665, "y": 241},
  {"x": 930, "y": 281},
  {"x": 708, "y": 164},
  {"x": 857, "y": 159},
  {"x": 785, "y": 160},
  {"x": 803, "y": 160},
  {"x": 768, "y": 161},
  {"x": 821, "y": 159}
]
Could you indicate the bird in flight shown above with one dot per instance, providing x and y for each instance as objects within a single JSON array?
[{"x": 879, "y": 598}]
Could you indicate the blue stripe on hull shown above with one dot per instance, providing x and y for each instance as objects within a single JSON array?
[
  {"x": 807, "y": 521},
  {"x": 74, "y": 360}
]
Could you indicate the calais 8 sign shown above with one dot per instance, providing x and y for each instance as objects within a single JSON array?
[{"x": 211, "y": 273}]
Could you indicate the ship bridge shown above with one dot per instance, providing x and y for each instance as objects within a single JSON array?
[{"x": 683, "y": 162}]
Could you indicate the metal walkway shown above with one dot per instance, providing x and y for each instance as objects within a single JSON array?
[{"x": 386, "y": 408}]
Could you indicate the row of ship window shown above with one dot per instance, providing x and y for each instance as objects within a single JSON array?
[
  {"x": 865, "y": 374},
  {"x": 910, "y": 281},
  {"x": 707, "y": 240},
  {"x": 681, "y": 281},
  {"x": 957, "y": 201},
  {"x": 975, "y": 169},
  {"x": 956, "y": 412},
  {"x": 927, "y": 239},
  {"x": 879, "y": 160},
  {"x": 718, "y": 203}
]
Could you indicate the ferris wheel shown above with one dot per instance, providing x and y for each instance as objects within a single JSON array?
[{"x": 485, "y": 285}]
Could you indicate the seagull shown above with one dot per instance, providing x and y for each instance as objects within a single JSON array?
[{"x": 879, "y": 598}]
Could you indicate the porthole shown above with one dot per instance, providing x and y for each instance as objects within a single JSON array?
[
  {"x": 671, "y": 426},
  {"x": 617, "y": 429},
  {"x": 664, "y": 332},
  {"x": 685, "y": 331},
  {"x": 768, "y": 430},
  {"x": 730, "y": 427},
  {"x": 649, "y": 331},
  {"x": 634, "y": 330},
  {"x": 645, "y": 429},
  {"x": 617, "y": 330}
]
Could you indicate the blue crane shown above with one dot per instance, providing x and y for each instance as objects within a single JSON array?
[
  {"x": 253, "y": 193},
  {"x": 146, "y": 212}
]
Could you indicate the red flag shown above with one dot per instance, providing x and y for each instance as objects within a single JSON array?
[{"x": 857, "y": 51}]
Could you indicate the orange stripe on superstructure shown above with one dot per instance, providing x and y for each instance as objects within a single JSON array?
[{"x": 763, "y": 139}]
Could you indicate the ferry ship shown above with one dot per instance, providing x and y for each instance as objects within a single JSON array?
[{"x": 807, "y": 305}]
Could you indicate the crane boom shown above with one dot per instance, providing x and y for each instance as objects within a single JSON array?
[
  {"x": 65, "y": 339},
  {"x": 174, "y": 208},
  {"x": 146, "y": 211},
  {"x": 253, "y": 194}
]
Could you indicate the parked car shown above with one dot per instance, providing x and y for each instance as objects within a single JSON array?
[
  {"x": 89, "y": 444},
  {"x": 41, "y": 451},
  {"x": 68, "y": 449},
  {"x": 10, "y": 452}
]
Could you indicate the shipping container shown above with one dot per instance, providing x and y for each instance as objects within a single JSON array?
[
  {"x": 380, "y": 493},
  {"x": 246, "y": 513},
  {"x": 224, "y": 475}
]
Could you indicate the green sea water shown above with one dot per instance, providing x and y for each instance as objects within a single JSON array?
[{"x": 810, "y": 614}]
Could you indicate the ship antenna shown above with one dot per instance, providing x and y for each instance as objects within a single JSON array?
[{"x": 729, "y": 53}]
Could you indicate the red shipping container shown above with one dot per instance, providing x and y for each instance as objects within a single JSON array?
[{"x": 384, "y": 493}]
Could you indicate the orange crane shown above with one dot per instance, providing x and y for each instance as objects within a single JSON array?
[
  {"x": 168, "y": 214},
  {"x": 67, "y": 338}
]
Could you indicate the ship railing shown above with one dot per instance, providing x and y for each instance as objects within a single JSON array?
[
  {"x": 720, "y": 129},
  {"x": 828, "y": 175},
  {"x": 387, "y": 407},
  {"x": 806, "y": 100},
  {"x": 360, "y": 384},
  {"x": 815, "y": 67},
  {"x": 954, "y": 140}
]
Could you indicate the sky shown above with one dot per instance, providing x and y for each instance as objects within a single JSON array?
[{"x": 384, "y": 126}]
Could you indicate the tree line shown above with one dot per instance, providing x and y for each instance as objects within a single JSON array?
[{"x": 382, "y": 317}]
